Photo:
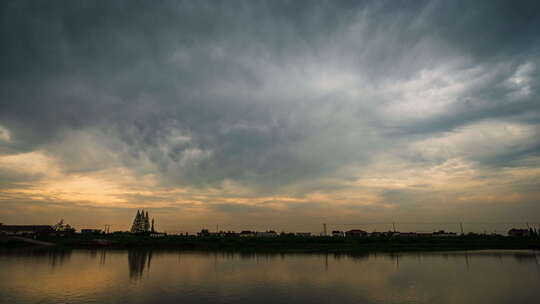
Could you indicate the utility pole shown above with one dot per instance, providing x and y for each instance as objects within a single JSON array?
[
  {"x": 461, "y": 226},
  {"x": 394, "y": 226},
  {"x": 324, "y": 229}
]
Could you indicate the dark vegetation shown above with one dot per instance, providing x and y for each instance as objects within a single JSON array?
[
  {"x": 297, "y": 244},
  {"x": 6, "y": 242}
]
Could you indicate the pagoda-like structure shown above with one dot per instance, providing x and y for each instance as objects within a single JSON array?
[{"x": 141, "y": 223}]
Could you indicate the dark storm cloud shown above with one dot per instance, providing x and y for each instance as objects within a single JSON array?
[{"x": 200, "y": 92}]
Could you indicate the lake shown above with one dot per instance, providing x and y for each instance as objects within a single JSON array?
[{"x": 157, "y": 276}]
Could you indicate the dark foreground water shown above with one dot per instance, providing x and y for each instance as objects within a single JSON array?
[{"x": 144, "y": 276}]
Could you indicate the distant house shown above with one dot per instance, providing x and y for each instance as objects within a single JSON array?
[
  {"x": 206, "y": 233},
  {"x": 519, "y": 232},
  {"x": 356, "y": 233},
  {"x": 26, "y": 230},
  {"x": 247, "y": 233},
  {"x": 442, "y": 233},
  {"x": 63, "y": 229},
  {"x": 338, "y": 233},
  {"x": 269, "y": 233},
  {"x": 91, "y": 231}
]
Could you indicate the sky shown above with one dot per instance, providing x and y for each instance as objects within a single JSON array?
[{"x": 270, "y": 114}]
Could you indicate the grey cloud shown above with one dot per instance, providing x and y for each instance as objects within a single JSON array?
[{"x": 202, "y": 92}]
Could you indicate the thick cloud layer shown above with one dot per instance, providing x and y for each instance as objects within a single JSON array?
[{"x": 300, "y": 100}]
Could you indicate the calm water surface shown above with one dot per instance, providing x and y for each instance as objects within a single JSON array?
[{"x": 150, "y": 276}]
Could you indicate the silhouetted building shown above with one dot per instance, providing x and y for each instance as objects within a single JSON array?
[
  {"x": 519, "y": 232},
  {"x": 63, "y": 229},
  {"x": 91, "y": 231},
  {"x": 141, "y": 223},
  {"x": 247, "y": 233},
  {"x": 338, "y": 233},
  {"x": 26, "y": 229},
  {"x": 269, "y": 233},
  {"x": 356, "y": 233}
]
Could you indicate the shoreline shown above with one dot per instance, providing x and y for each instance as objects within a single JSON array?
[{"x": 287, "y": 244}]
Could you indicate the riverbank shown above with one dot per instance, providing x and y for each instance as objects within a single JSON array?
[{"x": 296, "y": 244}]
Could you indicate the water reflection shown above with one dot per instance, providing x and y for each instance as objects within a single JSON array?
[
  {"x": 55, "y": 257},
  {"x": 82, "y": 276},
  {"x": 138, "y": 261}
]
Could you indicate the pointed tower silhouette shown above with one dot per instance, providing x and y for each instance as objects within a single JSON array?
[
  {"x": 136, "y": 223},
  {"x": 146, "y": 223}
]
